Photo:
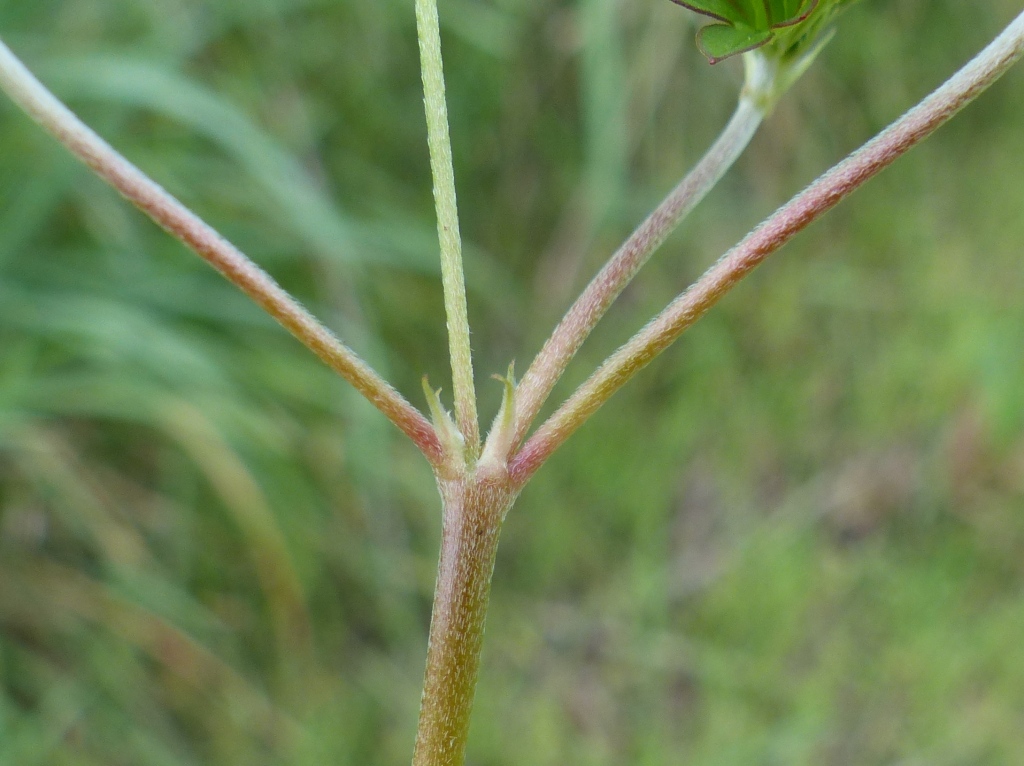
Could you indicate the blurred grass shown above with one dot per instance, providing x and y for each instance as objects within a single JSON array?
[{"x": 798, "y": 538}]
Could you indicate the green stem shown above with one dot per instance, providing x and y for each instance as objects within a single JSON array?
[
  {"x": 474, "y": 508},
  {"x": 820, "y": 197},
  {"x": 452, "y": 277}
]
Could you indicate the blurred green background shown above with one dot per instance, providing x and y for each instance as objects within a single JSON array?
[{"x": 798, "y": 538}]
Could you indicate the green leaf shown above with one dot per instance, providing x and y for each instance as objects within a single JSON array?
[
  {"x": 748, "y": 24},
  {"x": 788, "y": 12},
  {"x": 719, "y": 41},
  {"x": 759, "y": 15},
  {"x": 722, "y": 10}
]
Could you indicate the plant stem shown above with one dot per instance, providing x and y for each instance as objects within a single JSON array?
[
  {"x": 474, "y": 508},
  {"x": 452, "y": 277},
  {"x": 586, "y": 312},
  {"x": 32, "y": 96},
  {"x": 796, "y": 215}
]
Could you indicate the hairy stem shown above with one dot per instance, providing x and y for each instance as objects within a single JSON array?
[
  {"x": 586, "y": 312},
  {"x": 802, "y": 210},
  {"x": 32, "y": 96},
  {"x": 452, "y": 277},
  {"x": 474, "y": 508}
]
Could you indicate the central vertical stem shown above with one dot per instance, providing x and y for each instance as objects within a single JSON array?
[
  {"x": 442, "y": 169},
  {"x": 474, "y": 508}
]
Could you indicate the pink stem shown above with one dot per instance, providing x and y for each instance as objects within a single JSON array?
[
  {"x": 175, "y": 218},
  {"x": 602, "y": 291},
  {"x": 818, "y": 198}
]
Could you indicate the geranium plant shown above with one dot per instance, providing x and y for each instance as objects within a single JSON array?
[{"x": 479, "y": 475}]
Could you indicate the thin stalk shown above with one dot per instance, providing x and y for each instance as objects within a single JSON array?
[
  {"x": 802, "y": 210},
  {"x": 452, "y": 277},
  {"x": 474, "y": 509},
  {"x": 32, "y": 96},
  {"x": 586, "y": 312}
]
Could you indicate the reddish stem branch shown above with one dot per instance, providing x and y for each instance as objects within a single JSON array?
[
  {"x": 821, "y": 196},
  {"x": 620, "y": 269},
  {"x": 179, "y": 221}
]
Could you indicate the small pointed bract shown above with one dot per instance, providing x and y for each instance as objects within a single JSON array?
[
  {"x": 502, "y": 434},
  {"x": 452, "y": 440}
]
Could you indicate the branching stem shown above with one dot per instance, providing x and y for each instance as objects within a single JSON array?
[
  {"x": 453, "y": 279},
  {"x": 586, "y": 312},
  {"x": 796, "y": 215},
  {"x": 168, "y": 212},
  {"x": 480, "y": 492}
]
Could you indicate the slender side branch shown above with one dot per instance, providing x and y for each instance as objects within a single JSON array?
[
  {"x": 439, "y": 142},
  {"x": 586, "y": 312},
  {"x": 32, "y": 96},
  {"x": 802, "y": 210}
]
